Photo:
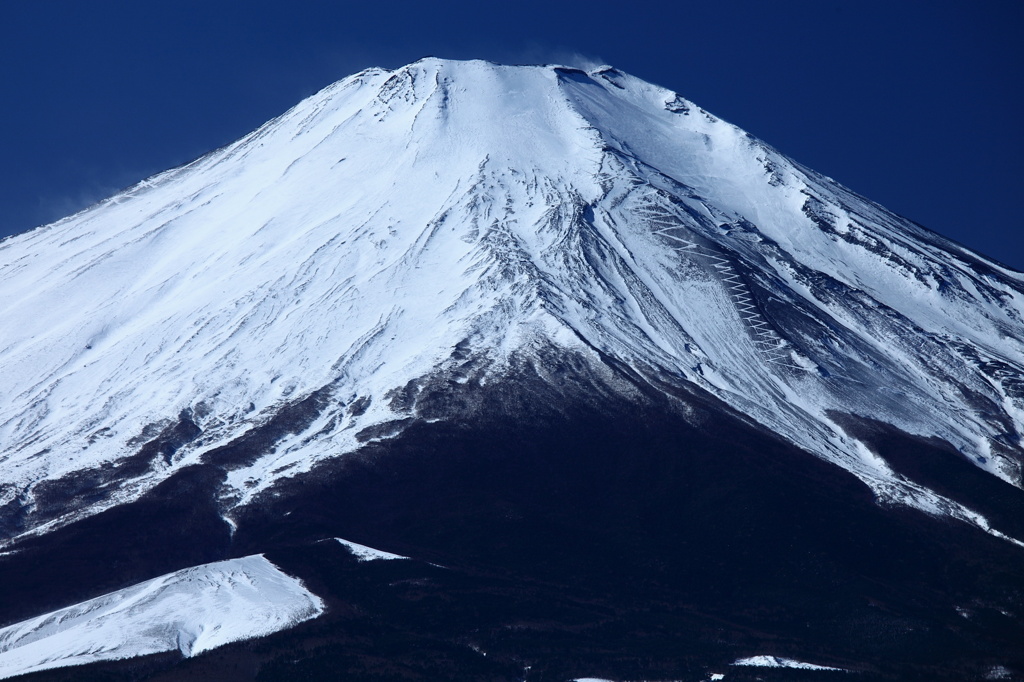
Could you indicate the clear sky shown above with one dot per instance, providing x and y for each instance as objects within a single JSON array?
[{"x": 914, "y": 104}]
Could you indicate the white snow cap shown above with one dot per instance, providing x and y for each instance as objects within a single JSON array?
[{"x": 351, "y": 244}]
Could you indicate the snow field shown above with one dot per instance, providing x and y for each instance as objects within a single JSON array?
[
  {"x": 192, "y": 610},
  {"x": 351, "y": 244}
]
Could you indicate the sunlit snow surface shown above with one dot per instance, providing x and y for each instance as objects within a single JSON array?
[
  {"x": 353, "y": 243},
  {"x": 192, "y": 610},
  {"x": 364, "y": 553},
  {"x": 779, "y": 662}
]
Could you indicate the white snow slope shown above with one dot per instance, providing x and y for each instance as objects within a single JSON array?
[
  {"x": 350, "y": 244},
  {"x": 192, "y": 610},
  {"x": 779, "y": 662},
  {"x": 364, "y": 553}
]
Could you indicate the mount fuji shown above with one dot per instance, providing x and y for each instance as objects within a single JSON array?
[{"x": 616, "y": 388}]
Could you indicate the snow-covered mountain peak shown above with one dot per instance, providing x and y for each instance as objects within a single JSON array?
[{"x": 447, "y": 220}]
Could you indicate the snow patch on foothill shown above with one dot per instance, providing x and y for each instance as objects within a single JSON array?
[
  {"x": 192, "y": 610},
  {"x": 779, "y": 662},
  {"x": 364, "y": 553}
]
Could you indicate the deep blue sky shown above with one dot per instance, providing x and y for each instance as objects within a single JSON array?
[{"x": 916, "y": 105}]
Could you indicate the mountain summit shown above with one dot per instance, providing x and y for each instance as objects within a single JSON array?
[{"x": 510, "y": 319}]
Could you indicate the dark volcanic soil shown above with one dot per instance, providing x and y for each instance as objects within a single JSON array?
[{"x": 572, "y": 536}]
